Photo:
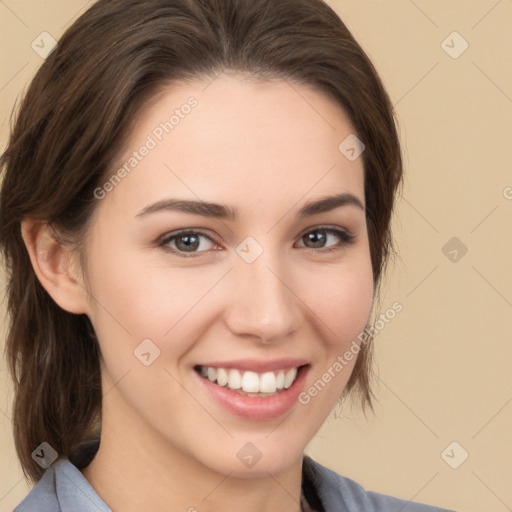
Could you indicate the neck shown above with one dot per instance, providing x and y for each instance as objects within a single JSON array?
[{"x": 154, "y": 475}]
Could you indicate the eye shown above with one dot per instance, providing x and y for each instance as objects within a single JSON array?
[
  {"x": 189, "y": 243},
  {"x": 318, "y": 238}
]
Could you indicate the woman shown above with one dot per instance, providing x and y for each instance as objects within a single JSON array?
[{"x": 195, "y": 211}]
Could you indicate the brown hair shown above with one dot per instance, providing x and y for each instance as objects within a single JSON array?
[{"x": 72, "y": 122}]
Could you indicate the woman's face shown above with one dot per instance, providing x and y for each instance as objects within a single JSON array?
[{"x": 255, "y": 285}]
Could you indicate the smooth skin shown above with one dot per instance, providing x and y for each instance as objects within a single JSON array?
[{"x": 264, "y": 149}]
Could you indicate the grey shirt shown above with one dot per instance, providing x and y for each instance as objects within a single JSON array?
[{"x": 63, "y": 488}]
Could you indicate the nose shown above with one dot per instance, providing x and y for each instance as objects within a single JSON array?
[{"x": 262, "y": 303}]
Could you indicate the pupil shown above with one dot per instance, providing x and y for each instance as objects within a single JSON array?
[
  {"x": 191, "y": 242},
  {"x": 317, "y": 237}
]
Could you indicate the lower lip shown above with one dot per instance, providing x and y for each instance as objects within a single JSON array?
[{"x": 256, "y": 408}]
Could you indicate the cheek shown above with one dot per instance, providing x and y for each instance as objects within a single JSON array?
[
  {"x": 342, "y": 301},
  {"x": 133, "y": 300}
]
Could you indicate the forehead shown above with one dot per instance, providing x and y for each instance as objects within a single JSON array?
[{"x": 240, "y": 141}]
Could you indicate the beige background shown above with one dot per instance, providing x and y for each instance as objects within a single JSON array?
[{"x": 444, "y": 361}]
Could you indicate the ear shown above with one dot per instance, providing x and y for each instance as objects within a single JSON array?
[{"x": 53, "y": 263}]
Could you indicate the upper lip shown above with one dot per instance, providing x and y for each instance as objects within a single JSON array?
[{"x": 258, "y": 365}]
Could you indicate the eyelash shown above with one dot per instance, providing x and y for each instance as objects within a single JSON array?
[{"x": 345, "y": 239}]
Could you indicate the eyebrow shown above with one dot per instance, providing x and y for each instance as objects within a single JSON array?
[{"x": 219, "y": 211}]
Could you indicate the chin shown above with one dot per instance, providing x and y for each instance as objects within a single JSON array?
[{"x": 257, "y": 457}]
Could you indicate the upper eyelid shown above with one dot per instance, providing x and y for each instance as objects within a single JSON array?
[
  {"x": 173, "y": 234},
  {"x": 340, "y": 232}
]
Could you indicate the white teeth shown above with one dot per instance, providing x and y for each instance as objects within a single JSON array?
[
  {"x": 290, "y": 377},
  {"x": 212, "y": 374},
  {"x": 268, "y": 383},
  {"x": 280, "y": 380},
  {"x": 235, "y": 379},
  {"x": 250, "y": 382},
  {"x": 222, "y": 377}
]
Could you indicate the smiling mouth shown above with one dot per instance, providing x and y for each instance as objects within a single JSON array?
[{"x": 249, "y": 383}]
